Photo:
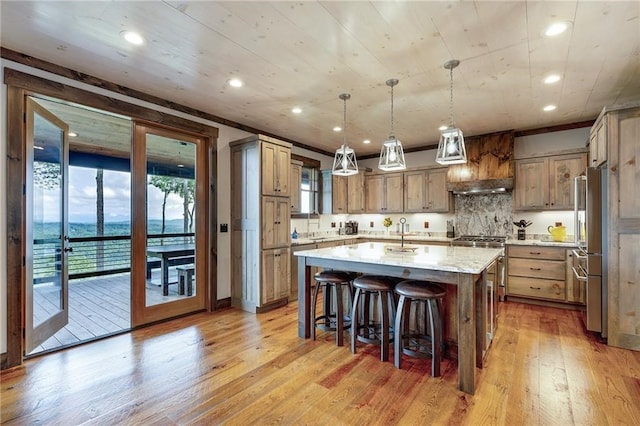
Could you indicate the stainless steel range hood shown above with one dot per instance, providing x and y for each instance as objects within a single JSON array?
[
  {"x": 490, "y": 167},
  {"x": 479, "y": 187}
]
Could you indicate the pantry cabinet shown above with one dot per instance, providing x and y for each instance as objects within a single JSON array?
[
  {"x": 622, "y": 141},
  {"x": 275, "y": 169},
  {"x": 546, "y": 183},
  {"x": 260, "y": 223},
  {"x": 425, "y": 191},
  {"x": 384, "y": 193},
  {"x": 275, "y": 275}
]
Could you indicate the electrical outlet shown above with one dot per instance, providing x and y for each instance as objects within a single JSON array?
[
  {"x": 333, "y": 224},
  {"x": 224, "y": 227},
  {"x": 426, "y": 225},
  {"x": 371, "y": 224}
]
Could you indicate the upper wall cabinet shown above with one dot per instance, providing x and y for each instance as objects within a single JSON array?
[
  {"x": 546, "y": 183},
  {"x": 343, "y": 194},
  {"x": 276, "y": 167},
  {"x": 295, "y": 185},
  {"x": 598, "y": 142},
  {"x": 425, "y": 191},
  {"x": 355, "y": 191},
  {"x": 384, "y": 193}
]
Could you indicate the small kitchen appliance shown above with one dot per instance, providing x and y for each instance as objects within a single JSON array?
[{"x": 558, "y": 232}]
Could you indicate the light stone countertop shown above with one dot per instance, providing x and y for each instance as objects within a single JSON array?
[
  {"x": 546, "y": 243},
  {"x": 471, "y": 260}
]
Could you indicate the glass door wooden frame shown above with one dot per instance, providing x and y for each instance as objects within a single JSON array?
[
  {"x": 19, "y": 86},
  {"x": 142, "y": 313}
]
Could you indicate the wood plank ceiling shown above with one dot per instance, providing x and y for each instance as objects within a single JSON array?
[{"x": 306, "y": 53}]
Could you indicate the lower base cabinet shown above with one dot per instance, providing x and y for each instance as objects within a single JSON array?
[
  {"x": 275, "y": 275},
  {"x": 537, "y": 272}
]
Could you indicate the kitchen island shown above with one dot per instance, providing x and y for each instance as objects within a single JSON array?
[{"x": 464, "y": 267}]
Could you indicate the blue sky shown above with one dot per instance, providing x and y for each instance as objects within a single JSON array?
[{"x": 117, "y": 199}]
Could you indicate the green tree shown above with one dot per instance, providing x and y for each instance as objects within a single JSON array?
[{"x": 167, "y": 185}]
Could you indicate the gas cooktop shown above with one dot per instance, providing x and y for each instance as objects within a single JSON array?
[{"x": 480, "y": 241}]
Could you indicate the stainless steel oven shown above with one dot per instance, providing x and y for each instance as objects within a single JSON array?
[{"x": 588, "y": 257}]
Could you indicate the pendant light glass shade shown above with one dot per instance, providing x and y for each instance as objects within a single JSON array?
[
  {"x": 344, "y": 162},
  {"x": 451, "y": 149},
  {"x": 392, "y": 154}
]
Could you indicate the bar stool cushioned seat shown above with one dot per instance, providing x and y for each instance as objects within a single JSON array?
[
  {"x": 367, "y": 287},
  {"x": 414, "y": 343},
  {"x": 331, "y": 282}
]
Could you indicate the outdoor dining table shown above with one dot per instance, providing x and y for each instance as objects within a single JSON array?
[{"x": 166, "y": 254}]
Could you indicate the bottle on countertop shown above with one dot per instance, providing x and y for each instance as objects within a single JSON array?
[{"x": 294, "y": 235}]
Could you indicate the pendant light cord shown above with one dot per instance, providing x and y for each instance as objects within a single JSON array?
[
  {"x": 451, "y": 97},
  {"x": 392, "y": 131},
  {"x": 344, "y": 125}
]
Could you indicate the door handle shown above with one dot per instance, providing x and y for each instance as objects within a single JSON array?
[{"x": 68, "y": 249}]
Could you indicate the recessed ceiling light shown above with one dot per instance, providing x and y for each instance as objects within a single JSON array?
[
  {"x": 337, "y": 129},
  {"x": 73, "y": 134},
  {"x": 553, "y": 78},
  {"x": 556, "y": 28},
  {"x": 133, "y": 37},
  {"x": 549, "y": 108},
  {"x": 296, "y": 110},
  {"x": 443, "y": 127},
  {"x": 235, "y": 82},
  {"x": 366, "y": 141}
]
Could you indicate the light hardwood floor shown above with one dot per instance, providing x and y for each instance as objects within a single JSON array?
[{"x": 238, "y": 368}]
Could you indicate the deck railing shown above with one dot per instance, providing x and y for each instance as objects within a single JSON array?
[{"x": 94, "y": 256}]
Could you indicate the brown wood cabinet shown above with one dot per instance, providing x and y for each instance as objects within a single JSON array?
[
  {"x": 275, "y": 222},
  {"x": 275, "y": 168},
  {"x": 275, "y": 275},
  {"x": 339, "y": 194},
  {"x": 425, "y": 191},
  {"x": 346, "y": 193},
  {"x": 622, "y": 140},
  {"x": 546, "y": 183},
  {"x": 356, "y": 195},
  {"x": 295, "y": 185},
  {"x": 536, "y": 272},
  {"x": 384, "y": 193},
  {"x": 260, "y": 223},
  {"x": 598, "y": 142}
]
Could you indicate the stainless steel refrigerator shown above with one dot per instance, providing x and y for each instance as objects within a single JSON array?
[{"x": 590, "y": 260}]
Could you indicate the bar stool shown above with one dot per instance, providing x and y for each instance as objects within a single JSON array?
[
  {"x": 367, "y": 330},
  {"x": 413, "y": 343},
  {"x": 331, "y": 282}
]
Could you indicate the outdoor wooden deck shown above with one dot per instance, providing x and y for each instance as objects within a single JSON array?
[{"x": 98, "y": 307}]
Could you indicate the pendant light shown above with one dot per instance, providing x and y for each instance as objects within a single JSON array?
[
  {"x": 344, "y": 163},
  {"x": 451, "y": 149},
  {"x": 392, "y": 154}
]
